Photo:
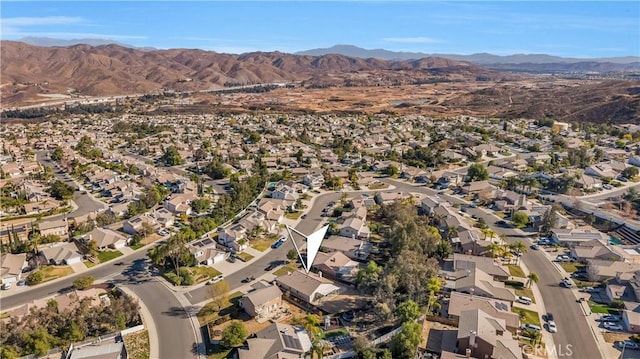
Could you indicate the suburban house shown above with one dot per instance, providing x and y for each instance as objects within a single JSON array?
[
  {"x": 573, "y": 237},
  {"x": 163, "y": 217},
  {"x": 353, "y": 248},
  {"x": 389, "y": 197},
  {"x": 477, "y": 282},
  {"x": 313, "y": 180},
  {"x": 277, "y": 341},
  {"x": 599, "y": 270},
  {"x": 205, "y": 253},
  {"x": 180, "y": 203},
  {"x": 307, "y": 287},
  {"x": 263, "y": 303},
  {"x": 614, "y": 291},
  {"x": 284, "y": 191},
  {"x": 11, "y": 266},
  {"x": 355, "y": 227},
  {"x": 103, "y": 350},
  {"x": 61, "y": 253},
  {"x": 106, "y": 239},
  {"x": 631, "y": 320},
  {"x": 476, "y": 187},
  {"x": 137, "y": 224},
  {"x": 459, "y": 302},
  {"x": 486, "y": 264},
  {"x": 336, "y": 266},
  {"x": 594, "y": 249},
  {"x": 57, "y": 228},
  {"x": 232, "y": 235},
  {"x": 486, "y": 336}
]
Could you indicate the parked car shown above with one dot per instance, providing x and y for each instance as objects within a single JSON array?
[
  {"x": 22, "y": 282},
  {"x": 277, "y": 244},
  {"x": 530, "y": 327},
  {"x": 271, "y": 267},
  {"x": 590, "y": 290},
  {"x": 566, "y": 283},
  {"x": 610, "y": 318},
  {"x": 248, "y": 279},
  {"x": 626, "y": 344},
  {"x": 551, "y": 327},
  {"x": 548, "y": 317},
  {"x": 6, "y": 286},
  {"x": 304, "y": 216},
  {"x": 215, "y": 279},
  {"x": 535, "y": 247},
  {"x": 612, "y": 326},
  {"x": 524, "y": 300},
  {"x": 501, "y": 223}
]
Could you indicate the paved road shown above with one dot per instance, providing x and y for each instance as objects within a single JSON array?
[
  {"x": 573, "y": 328},
  {"x": 256, "y": 268},
  {"x": 174, "y": 330},
  {"x": 85, "y": 202}
]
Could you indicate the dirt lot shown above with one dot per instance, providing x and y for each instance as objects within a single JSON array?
[{"x": 612, "y": 337}]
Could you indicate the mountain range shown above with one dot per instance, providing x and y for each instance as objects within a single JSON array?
[
  {"x": 535, "y": 63},
  {"x": 116, "y": 70}
]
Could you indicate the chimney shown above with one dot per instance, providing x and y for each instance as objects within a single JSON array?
[
  {"x": 472, "y": 339},
  {"x": 320, "y": 274},
  {"x": 467, "y": 353}
]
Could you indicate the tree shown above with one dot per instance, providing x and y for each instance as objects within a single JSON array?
[
  {"x": 519, "y": 248},
  {"x": 392, "y": 171},
  {"x": 532, "y": 278},
  {"x": 83, "y": 282},
  {"x": 494, "y": 249},
  {"x": 520, "y": 219},
  {"x": 234, "y": 335},
  {"x": 548, "y": 221},
  {"x": 369, "y": 277},
  {"x": 292, "y": 254},
  {"x": 38, "y": 342},
  {"x": 57, "y": 154},
  {"x": 405, "y": 343},
  {"x": 200, "y": 205},
  {"x": 219, "y": 293},
  {"x": 171, "y": 156},
  {"x": 433, "y": 286},
  {"x": 408, "y": 311},
  {"x": 60, "y": 190},
  {"x": 92, "y": 248},
  {"x": 477, "y": 172},
  {"x": 35, "y": 278},
  {"x": 630, "y": 172}
]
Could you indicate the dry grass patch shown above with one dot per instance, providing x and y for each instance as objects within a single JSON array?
[
  {"x": 291, "y": 267},
  {"x": 137, "y": 345},
  {"x": 261, "y": 244},
  {"x": 610, "y": 337},
  {"x": 53, "y": 272}
]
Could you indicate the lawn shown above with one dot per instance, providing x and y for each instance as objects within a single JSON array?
[
  {"x": 106, "y": 256},
  {"x": 137, "y": 246},
  {"x": 602, "y": 309},
  {"x": 516, "y": 271},
  {"x": 4, "y": 315},
  {"x": 218, "y": 352},
  {"x": 335, "y": 333},
  {"x": 522, "y": 291},
  {"x": 89, "y": 264},
  {"x": 51, "y": 272},
  {"x": 378, "y": 185},
  {"x": 261, "y": 244},
  {"x": 137, "y": 345},
  {"x": 527, "y": 316},
  {"x": 243, "y": 256},
  {"x": 570, "y": 267},
  {"x": 208, "y": 313},
  {"x": 293, "y": 215},
  {"x": 291, "y": 267},
  {"x": 201, "y": 273}
]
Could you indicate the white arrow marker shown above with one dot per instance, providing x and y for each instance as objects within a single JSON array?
[{"x": 314, "y": 240}]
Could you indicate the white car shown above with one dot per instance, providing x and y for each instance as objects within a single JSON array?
[
  {"x": 531, "y": 327},
  {"x": 524, "y": 300},
  {"x": 612, "y": 326},
  {"x": 551, "y": 327}
]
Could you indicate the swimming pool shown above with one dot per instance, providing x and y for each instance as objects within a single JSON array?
[{"x": 615, "y": 241}]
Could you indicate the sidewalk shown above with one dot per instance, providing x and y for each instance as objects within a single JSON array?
[{"x": 149, "y": 324}]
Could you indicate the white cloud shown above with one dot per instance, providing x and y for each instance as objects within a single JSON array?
[
  {"x": 40, "y": 21},
  {"x": 412, "y": 40}
]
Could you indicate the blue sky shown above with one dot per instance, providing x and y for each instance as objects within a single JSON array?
[{"x": 576, "y": 29}]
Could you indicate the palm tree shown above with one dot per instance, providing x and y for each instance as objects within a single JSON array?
[
  {"x": 311, "y": 324},
  {"x": 494, "y": 249},
  {"x": 532, "y": 278},
  {"x": 452, "y": 232},
  {"x": 488, "y": 232},
  {"x": 518, "y": 247}
]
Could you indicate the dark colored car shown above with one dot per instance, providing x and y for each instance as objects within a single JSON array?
[
  {"x": 248, "y": 279},
  {"x": 501, "y": 223},
  {"x": 270, "y": 267},
  {"x": 277, "y": 244},
  {"x": 548, "y": 317}
]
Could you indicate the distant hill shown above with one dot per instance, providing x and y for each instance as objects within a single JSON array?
[
  {"x": 517, "y": 62},
  {"x": 116, "y": 70},
  {"x": 51, "y": 42}
]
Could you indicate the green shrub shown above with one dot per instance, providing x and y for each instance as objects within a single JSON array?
[
  {"x": 83, "y": 282},
  {"x": 35, "y": 278},
  {"x": 173, "y": 278}
]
